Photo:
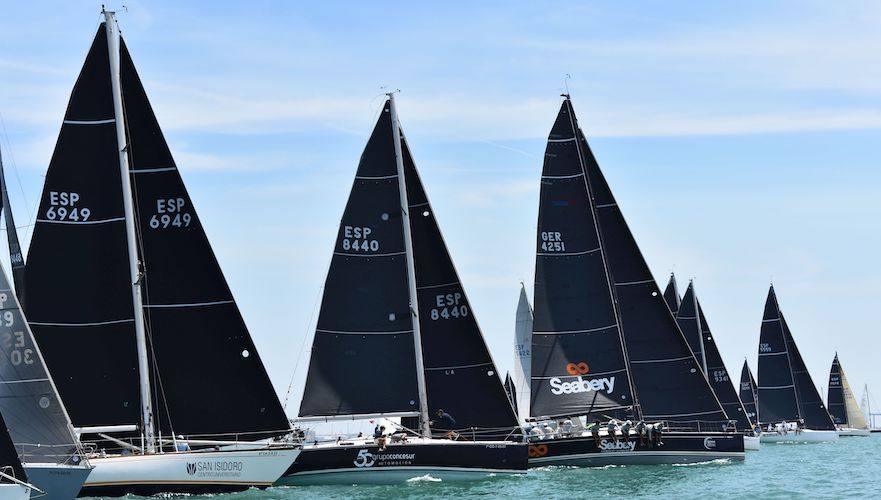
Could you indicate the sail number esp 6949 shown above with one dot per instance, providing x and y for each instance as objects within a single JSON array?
[{"x": 170, "y": 212}]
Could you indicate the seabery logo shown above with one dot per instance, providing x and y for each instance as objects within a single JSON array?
[
  {"x": 558, "y": 386},
  {"x": 616, "y": 446}
]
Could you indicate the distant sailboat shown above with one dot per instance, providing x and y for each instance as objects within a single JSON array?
[
  {"x": 523, "y": 355},
  {"x": 396, "y": 338},
  {"x": 131, "y": 309},
  {"x": 604, "y": 341},
  {"x": 697, "y": 332},
  {"x": 39, "y": 425},
  {"x": 786, "y": 392},
  {"x": 843, "y": 404},
  {"x": 866, "y": 407},
  {"x": 748, "y": 392}
]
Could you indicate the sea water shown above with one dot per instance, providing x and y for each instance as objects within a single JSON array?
[{"x": 848, "y": 468}]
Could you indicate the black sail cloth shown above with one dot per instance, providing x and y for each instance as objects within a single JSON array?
[
  {"x": 811, "y": 407},
  {"x": 671, "y": 295},
  {"x": 37, "y": 421},
  {"x": 748, "y": 392},
  {"x": 835, "y": 398},
  {"x": 578, "y": 360},
  {"x": 16, "y": 257},
  {"x": 691, "y": 325},
  {"x": 776, "y": 389},
  {"x": 365, "y": 313},
  {"x": 204, "y": 362},
  {"x": 667, "y": 378}
]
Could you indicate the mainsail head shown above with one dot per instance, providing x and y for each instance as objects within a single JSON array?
[{"x": 671, "y": 295}]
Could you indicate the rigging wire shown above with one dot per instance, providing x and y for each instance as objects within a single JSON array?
[{"x": 306, "y": 336}]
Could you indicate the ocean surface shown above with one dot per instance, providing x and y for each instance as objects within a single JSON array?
[{"x": 849, "y": 468}]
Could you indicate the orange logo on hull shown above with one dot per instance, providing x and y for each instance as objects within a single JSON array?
[{"x": 580, "y": 368}]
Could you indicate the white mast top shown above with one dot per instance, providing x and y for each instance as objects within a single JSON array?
[
  {"x": 134, "y": 264},
  {"x": 411, "y": 268}
]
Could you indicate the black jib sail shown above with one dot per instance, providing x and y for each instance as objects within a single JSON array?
[
  {"x": 187, "y": 305},
  {"x": 776, "y": 393},
  {"x": 718, "y": 376},
  {"x": 671, "y": 295},
  {"x": 668, "y": 379},
  {"x": 748, "y": 392},
  {"x": 578, "y": 360},
  {"x": 810, "y": 406},
  {"x": 16, "y": 257},
  {"x": 690, "y": 323},
  {"x": 835, "y": 397},
  {"x": 366, "y": 308},
  {"x": 365, "y": 312},
  {"x": 38, "y": 423},
  {"x": 460, "y": 376}
]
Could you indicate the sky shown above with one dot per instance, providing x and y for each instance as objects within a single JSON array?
[{"x": 740, "y": 139}]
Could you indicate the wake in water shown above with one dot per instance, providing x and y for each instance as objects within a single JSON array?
[{"x": 426, "y": 478}]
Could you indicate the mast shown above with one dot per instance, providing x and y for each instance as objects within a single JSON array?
[
  {"x": 700, "y": 331},
  {"x": 411, "y": 268},
  {"x": 131, "y": 238}
]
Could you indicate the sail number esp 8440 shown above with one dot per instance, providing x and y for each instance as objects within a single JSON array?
[
  {"x": 170, "y": 213},
  {"x": 358, "y": 239},
  {"x": 63, "y": 207},
  {"x": 448, "y": 305}
]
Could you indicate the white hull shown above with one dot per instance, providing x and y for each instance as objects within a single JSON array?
[
  {"x": 14, "y": 492},
  {"x": 188, "y": 472},
  {"x": 850, "y": 432},
  {"x": 58, "y": 482},
  {"x": 751, "y": 443},
  {"x": 804, "y": 436}
]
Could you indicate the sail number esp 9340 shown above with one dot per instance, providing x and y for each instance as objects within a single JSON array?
[{"x": 170, "y": 213}]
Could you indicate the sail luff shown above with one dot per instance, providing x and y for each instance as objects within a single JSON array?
[
  {"x": 411, "y": 269},
  {"x": 113, "y": 43},
  {"x": 16, "y": 257}
]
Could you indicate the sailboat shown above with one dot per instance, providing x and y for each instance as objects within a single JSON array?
[
  {"x": 396, "y": 338},
  {"x": 522, "y": 354},
  {"x": 842, "y": 404},
  {"x": 694, "y": 326},
  {"x": 790, "y": 408},
  {"x": 748, "y": 392},
  {"x": 39, "y": 425},
  {"x": 866, "y": 407},
  {"x": 605, "y": 344},
  {"x": 131, "y": 310}
]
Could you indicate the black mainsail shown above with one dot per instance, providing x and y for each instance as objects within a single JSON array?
[
  {"x": 202, "y": 361},
  {"x": 776, "y": 393},
  {"x": 578, "y": 360},
  {"x": 38, "y": 423},
  {"x": 367, "y": 314},
  {"x": 671, "y": 295},
  {"x": 598, "y": 311},
  {"x": 16, "y": 256},
  {"x": 835, "y": 398},
  {"x": 748, "y": 392}
]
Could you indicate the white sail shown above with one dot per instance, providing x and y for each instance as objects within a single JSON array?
[
  {"x": 523, "y": 354},
  {"x": 855, "y": 417}
]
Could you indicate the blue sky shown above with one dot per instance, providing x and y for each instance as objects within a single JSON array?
[{"x": 740, "y": 139}]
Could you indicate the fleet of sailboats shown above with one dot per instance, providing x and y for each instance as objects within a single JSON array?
[{"x": 98, "y": 395}]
